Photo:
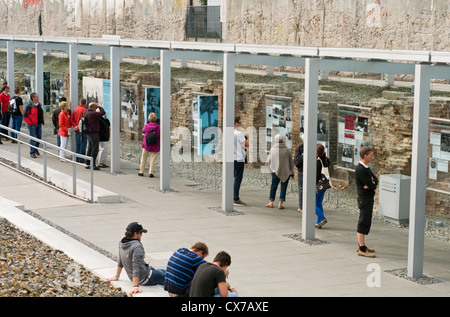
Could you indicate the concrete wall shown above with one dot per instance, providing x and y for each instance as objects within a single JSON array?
[{"x": 391, "y": 24}]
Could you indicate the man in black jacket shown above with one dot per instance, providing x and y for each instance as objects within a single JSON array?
[{"x": 366, "y": 184}]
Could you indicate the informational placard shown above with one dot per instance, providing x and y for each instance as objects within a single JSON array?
[
  {"x": 152, "y": 103},
  {"x": 98, "y": 90},
  {"x": 278, "y": 119},
  {"x": 353, "y": 133},
  {"x": 208, "y": 122}
]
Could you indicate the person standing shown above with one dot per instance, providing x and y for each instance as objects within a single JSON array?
[
  {"x": 181, "y": 268},
  {"x": 131, "y": 258},
  {"x": 5, "y": 114},
  {"x": 64, "y": 126},
  {"x": 17, "y": 114},
  {"x": 240, "y": 143},
  {"x": 104, "y": 138},
  {"x": 152, "y": 147},
  {"x": 298, "y": 162},
  {"x": 55, "y": 121},
  {"x": 366, "y": 184},
  {"x": 210, "y": 276},
  {"x": 281, "y": 166},
  {"x": 322, "y": 160},
  {"x": 80, "y": 138},
  {"x": 34, "y": 118},
  {"x": 93, "y": 136}
]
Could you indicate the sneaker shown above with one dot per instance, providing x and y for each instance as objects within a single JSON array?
[
  {"x": 240, "y": 202},
  {"x": 366, "y": 254},
  {"x": 367, "y": 249},
  {"x": 103, "y": 166},
  {"x": 320, "y": 224},
  {"x": 299, "y": 210}
]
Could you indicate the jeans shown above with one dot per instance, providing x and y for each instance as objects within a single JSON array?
[
  {"x": 300, "y": 188},
  {"x": 274, "y": 186},
  {"x": 5, "y": 121},
  {"x": 16, "y": 125},
  {"x": 319, "y": 207},
  {"x": 35, "y": 131},
  {"x": 157, "y": 277},
  {"x": 238, "y": 174},
  {"x": 81, "y": 141}
]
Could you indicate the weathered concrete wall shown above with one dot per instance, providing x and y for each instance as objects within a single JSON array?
[
  {"x": 393, "y": 24},
  {"x": 381, "y": 24},
  {"x": 139, "y": 19}
]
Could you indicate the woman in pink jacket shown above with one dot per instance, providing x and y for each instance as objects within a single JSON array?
[
  {"x": 64, "y": 126},
  {"x": 150, "y": 144}
]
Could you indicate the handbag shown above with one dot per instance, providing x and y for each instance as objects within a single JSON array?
[{"x": 324, "y": 179}]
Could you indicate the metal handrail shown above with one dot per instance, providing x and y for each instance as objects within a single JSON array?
[{"x": 45, "y": 152}]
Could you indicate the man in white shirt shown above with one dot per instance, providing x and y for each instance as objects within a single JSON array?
[{"x": 240, "y": 143}]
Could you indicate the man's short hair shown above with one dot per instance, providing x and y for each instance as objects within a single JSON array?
[
  {"x": 223, "y": 258},
  {"x": 365, "y": 150},
  {"x": 200, "y": 246},
  {"x": 83, "y": 101}
]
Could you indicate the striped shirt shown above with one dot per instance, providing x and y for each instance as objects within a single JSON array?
[{"x": 180, "y": 270}]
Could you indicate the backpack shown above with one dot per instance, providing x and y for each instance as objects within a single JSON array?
[
  {"x": 151, "y": 138},
  {"x": 83, "y": 124},
  {"x": 12, "y": 106}
]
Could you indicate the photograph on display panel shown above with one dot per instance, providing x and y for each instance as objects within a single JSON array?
[
  {"x": 208, "y": 121},
  {"x": 129, "y": 108},
  {"x": 152, "y": 102}
]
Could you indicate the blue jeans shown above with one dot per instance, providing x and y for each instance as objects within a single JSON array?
[
  {"x": 16, "y": 124},
  {"x": 230, "y": 294},
  {"x": 5, "y": 121},
  {"x": 157, "y": 277},
  {"x": 238, "y": 174},
  {"x": 35, "y": 131},
  {"x": 274, "y": 186},
  {"x": 319, "y": 207},
  {"x": 81, "y": 141}
]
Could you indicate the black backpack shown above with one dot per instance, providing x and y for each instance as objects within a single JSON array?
[
  {"x": 83, "y": 125},
  {"x": 151, "y": 138}
]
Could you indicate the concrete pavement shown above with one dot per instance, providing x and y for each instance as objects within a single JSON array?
[{"x": 266, "y": 262}]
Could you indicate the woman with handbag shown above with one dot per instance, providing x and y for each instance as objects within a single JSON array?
[
  {"x": 64, "y": 128},
  {"x": 322, "y": 184}
]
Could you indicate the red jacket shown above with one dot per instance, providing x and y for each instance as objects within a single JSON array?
[
  {"x": 4, "y": 100},
  {"x": 64, "y": 124},
  {"x": 76, "y": 116},
  {"x": 33, "y": 114}
]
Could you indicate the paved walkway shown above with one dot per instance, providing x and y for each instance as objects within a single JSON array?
[{"x": 265, "y": 262}]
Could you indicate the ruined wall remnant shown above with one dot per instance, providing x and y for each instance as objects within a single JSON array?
[{"x": 378, "y": 24}]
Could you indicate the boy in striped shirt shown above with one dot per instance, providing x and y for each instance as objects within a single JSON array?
[{"x": 181, "y": 268}]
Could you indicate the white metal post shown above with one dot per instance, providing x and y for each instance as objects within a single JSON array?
[
  {"x": 39, "y": 72},
  {"x": 310, "y": 148},
  {"x": 419, "y": 170},
  {"x": 115, "y": 107},
  {"x": 229, "y": 72},
  {"x": 73, "y": 92},
  {"x": 166, "y": 59},
  {"x": 10, "y": 46}
]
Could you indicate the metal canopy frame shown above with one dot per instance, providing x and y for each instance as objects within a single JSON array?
[{"x": 424, "y": 65}]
